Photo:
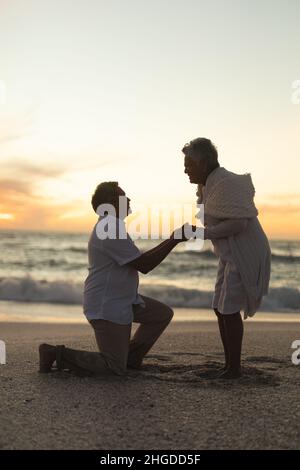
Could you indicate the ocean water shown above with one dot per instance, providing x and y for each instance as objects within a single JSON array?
[{"x": 50, "y": 268}]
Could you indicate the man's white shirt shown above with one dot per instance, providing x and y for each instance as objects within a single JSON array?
[{"x": 111, "y": 287}]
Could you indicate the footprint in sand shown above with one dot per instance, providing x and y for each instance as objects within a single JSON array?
[
  {"x": 205, "y": 373},
  {"x": 265, "y": 359}
]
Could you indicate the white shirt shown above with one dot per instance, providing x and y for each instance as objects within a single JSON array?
[{"x": 111, "y": 287}]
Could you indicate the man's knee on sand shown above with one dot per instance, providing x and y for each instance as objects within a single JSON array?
[{"x": 169, "y": 313}]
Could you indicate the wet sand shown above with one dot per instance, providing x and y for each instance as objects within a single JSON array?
[{"x": 172, "y": 403}]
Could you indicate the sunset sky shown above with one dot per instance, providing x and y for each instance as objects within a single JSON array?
[{"x": 95, "y": 90}]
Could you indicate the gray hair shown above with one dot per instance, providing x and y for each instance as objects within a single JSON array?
[
  {"x": 202, "y": 149},
  {"x": 105, "y": 193}
]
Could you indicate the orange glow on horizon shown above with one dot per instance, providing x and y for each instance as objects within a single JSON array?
[
  {"x": 6, "y": 216},
  {"x": 280, "y": 221}
]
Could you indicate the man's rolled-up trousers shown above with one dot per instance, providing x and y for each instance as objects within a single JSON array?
[{"x": 117, "y": 350}]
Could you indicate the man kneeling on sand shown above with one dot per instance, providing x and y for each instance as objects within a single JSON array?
[{"x": 111, "y": 300}]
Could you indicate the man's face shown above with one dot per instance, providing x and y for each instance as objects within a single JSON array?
[{"x": 196, "y": 170}]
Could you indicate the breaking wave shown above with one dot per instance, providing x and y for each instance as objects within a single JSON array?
[{"x": 27, "y": 289}]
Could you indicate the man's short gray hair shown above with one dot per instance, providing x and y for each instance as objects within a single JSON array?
[
  {"x": 202, "y": 148},
  {"x": 105, "y": 193}
]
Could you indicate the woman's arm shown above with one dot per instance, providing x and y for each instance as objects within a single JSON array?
[{"x": 225, "y": 228}]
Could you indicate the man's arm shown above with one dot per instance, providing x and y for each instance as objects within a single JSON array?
[
  {"x": 225, "y": 228},
  {"x": 152, "y": 258}
]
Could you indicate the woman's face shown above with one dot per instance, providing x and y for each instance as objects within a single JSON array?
[{"x": 195, "y": 169}]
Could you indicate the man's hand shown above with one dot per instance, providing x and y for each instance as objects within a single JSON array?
[{"x": 184, "y": 233}]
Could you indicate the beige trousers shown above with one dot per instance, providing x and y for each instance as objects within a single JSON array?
[{"x": 117, "y": 350}]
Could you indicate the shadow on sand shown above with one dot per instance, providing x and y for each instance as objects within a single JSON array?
[
  {"x": 205, "y": 372},
  {"x": 200, "y": 370}
]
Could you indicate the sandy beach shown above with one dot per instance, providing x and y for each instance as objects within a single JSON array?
[{"x": 172, "y": 403}]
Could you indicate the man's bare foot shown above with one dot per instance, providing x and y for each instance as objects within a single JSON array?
[
  {"x": 231, "y": 374},
  {"x": 47, "y": 355}
]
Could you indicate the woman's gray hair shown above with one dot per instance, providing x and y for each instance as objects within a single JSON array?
[{"x": 202, "y": 149}]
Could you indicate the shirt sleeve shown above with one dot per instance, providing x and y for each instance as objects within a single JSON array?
[
  {"x": 225, "y": 228},
  {"x": 122, "y": 251}
]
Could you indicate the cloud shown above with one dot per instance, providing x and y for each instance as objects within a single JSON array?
[
  {"x": 27, "y": 210},
  {"x": 18, "y": 182},
  {"x": 45, "y": 195},
  {"x": 281, "y": 220},
  {"x": 22, "y": 200},
  {"x": 10, "y": 186},
  {"x": 280, "y": 214},
  {"x": 23, "y": 168},
  {"x": 280, "y": 209}
]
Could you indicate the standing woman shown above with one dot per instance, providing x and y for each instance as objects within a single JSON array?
[{"x": 231, "y": 223}]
